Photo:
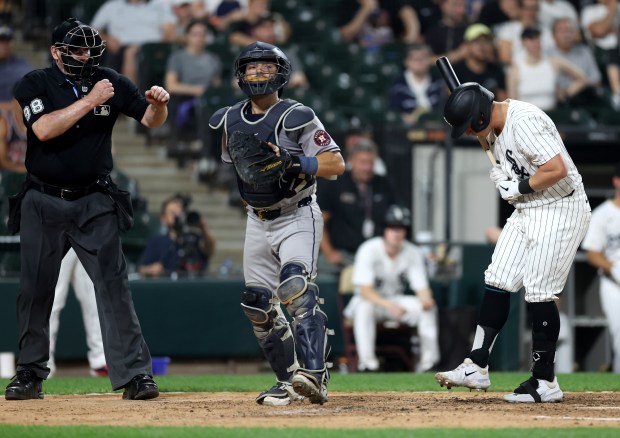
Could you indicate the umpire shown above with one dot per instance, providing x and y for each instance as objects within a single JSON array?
[{"x": 69, "y": 200}]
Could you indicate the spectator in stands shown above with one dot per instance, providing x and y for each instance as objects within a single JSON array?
[
  {"x": 258, "y": 10},
  {"x": 384, "y": 268},
  {"x": 552, "y": 10},
  {"x": 446, "y": 37},
  {"x": 12, "y": 138},
  {"x": 428, "y": 13},
  {"x": 509, "y": 44},
  {"x": 496, "y": 12},
  {"x": 569, "y": 48},
  {"x": 353, "y": 207},
  {"x": 417, "y": 90},
  {"x": 600, "y": 23},
  {"x": 372, "y": 23},
  {"x": 12, "y": 67},
  {"x": 266, "y": 29},
  {"x": 184, "y": 12},
  {"x": 185, "y": 248},
  {"x": 190, "y": 72},
  {"x": 535, "y": 78},
  {"x": 126, "y": 25},
  {"x": 479, "y": 63},
  {"x": 222, "y": 13}
]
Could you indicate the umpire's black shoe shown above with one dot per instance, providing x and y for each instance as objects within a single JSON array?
[
  {"x": 25, "y": 386},
  {"x": 141, "y": 387}
]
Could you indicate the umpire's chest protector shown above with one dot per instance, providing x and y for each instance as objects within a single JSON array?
[{"x": 267, "y": 129}]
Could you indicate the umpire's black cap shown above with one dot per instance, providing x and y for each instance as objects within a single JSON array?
[
  {"x": 617, "y": 169},
  {"x": 60, "y": 31}
]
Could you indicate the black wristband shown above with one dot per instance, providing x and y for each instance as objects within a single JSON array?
[
  {"x": 295, "y": 167},
  {"x": 525, "y": 187}
]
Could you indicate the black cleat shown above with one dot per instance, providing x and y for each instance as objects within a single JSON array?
[
  {"x": 25, "y": 386},
  {"x": 141, "y": 387}
]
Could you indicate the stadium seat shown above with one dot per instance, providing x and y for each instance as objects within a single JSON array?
[
  {"x": 152, "y": 60},
  {"x": 571, "y": 117}
]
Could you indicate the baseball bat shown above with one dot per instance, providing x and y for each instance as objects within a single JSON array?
[{"x": 452, "y": 81}]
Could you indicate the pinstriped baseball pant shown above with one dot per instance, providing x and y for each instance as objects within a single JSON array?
[{"x": 537, "y": 247}]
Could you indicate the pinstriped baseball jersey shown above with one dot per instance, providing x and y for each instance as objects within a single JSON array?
[
  {"x": 538, "y": 243},
  {"x": 528, "y": 140}
]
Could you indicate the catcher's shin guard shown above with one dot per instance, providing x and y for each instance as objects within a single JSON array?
[
  {"x": 271, "y": 330},
  {"x": 309, "y": 322}
]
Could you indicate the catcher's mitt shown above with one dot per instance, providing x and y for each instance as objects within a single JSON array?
[{"x": 255, "y": 162}]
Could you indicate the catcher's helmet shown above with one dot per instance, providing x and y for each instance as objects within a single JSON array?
[
  {"x": 469, "y": 105},
  {"x": 72, "y": 37},
  {"x": 397, "y": 216},
  {"x": 260, "y": 52}
]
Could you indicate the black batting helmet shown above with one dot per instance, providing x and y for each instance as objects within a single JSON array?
[
  {"x": 397, "y": 216},
  {"x": 469, "y": 105},
  {"x": 73, "y": 37},
  {"x": 260, "y": 52}
]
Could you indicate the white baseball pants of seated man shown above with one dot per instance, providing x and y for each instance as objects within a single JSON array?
[
  {"x": 365, "y": 316},
  {"x": 72, "y": 272},
  {"x": 610, "y": 302}
]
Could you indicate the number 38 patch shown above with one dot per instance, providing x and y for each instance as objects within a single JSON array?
[{"x": 35, "y": 107}]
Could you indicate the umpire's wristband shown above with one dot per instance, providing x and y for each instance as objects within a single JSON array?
[
  {"x": 525, "y": 187},
  {"x": 303, "y": 164}
]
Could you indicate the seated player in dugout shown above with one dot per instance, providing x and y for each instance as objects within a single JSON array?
[{"x": 385, "y": 267}]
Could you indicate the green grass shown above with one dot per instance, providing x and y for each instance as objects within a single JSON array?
[
  {"x": 401, "y": 382},
  {"x": 219, "y": 432}
]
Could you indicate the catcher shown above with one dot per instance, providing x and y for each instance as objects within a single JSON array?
[{"x": 278, "y": 147}]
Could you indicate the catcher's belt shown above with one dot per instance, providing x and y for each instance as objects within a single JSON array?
[{"x": 265, "y": 214}]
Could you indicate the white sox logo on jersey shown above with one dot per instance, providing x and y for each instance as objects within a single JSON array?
[{"x": 521, "y": 172}]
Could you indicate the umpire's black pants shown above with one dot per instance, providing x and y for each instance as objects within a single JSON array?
[{"x": 89, "y": 224}]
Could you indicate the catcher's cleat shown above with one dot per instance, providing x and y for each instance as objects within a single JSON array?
[
  {"x": 308, "y": 385},
  {"x": 536, "y": 391},
  {"x": 467, "y": 374},
  {"x": 280, "y": 394},
  {"x": 141, "y": 387},
  {"x": 25, "y": 386}
]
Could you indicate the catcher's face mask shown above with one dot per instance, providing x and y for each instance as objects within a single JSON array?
[
  {"x": 80, "y": 51},
  {"x": 262, "y": 68}
]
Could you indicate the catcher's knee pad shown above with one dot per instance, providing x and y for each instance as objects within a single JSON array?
[
  {"x": 293, "y": 282},
  {"x": 257, "y": 303}
]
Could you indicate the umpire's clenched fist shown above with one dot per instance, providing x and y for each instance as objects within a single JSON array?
[
  {"x": 101, "y": 92},
  {"x": 157, "y": 96}
]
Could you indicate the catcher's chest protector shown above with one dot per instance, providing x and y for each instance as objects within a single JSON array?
[{"x": 264, "y": 195}]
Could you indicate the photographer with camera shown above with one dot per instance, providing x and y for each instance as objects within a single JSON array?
[{"x": 186, "y": 246}]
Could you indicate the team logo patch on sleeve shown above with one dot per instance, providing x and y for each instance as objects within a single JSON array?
[{"x": 322, "y": 138}]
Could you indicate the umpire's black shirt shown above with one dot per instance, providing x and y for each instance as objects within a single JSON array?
[{"x": 84, "y": 152}]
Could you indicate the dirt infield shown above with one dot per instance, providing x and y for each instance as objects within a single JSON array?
[{"x": 344, "y": 410}]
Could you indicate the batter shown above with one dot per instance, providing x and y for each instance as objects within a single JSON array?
[{"x": 536, "y": 247}]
